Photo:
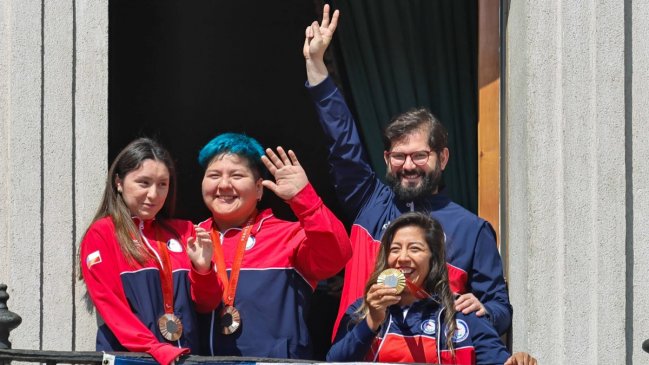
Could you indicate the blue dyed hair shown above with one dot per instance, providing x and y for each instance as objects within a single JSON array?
[{"x": 237, "y": 144}]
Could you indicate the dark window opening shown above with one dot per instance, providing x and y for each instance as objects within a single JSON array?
[{"x": 183, "y": 72}]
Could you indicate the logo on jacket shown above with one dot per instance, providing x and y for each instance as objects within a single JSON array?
[
  {"x": 174, "y": 246},
  {"x": 428, "y": 327},
  {"x": 93, "y": 259},
  {"x": 462, "y": 332},
  {"x": 250, "y": 243},
  {"x": 385, "y": 226}
]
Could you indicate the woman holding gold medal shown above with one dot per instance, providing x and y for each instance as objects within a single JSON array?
[
  {"x": 147, "y": 274},
  {"x": 272, "y": 265},
  {"x": 408, "y": 312}
]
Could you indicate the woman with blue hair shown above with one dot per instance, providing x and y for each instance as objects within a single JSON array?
[{"x": 269, "y": 267}]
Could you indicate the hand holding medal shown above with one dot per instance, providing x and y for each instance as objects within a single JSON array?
[
  {"x": 386, "y": 292},
  {"x": 392, "y": 278}
]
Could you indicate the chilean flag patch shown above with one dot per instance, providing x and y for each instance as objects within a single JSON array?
[{"x": 93, "y": 259}]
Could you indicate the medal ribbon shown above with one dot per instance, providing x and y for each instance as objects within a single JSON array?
[
  {"x": 418, "y": 291},
  {"x": 166, "y": 274},
  {"x": 230, "y": 285}
]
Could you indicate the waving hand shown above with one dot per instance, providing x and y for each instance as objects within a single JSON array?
[{"x": 290, "y": 177}]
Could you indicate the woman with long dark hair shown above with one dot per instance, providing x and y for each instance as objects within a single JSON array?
[
  {"x": 146, "y": 273},
  {"x": 408, "y": 312}
]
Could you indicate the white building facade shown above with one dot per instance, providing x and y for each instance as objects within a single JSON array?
[{"x": 575, "y": 173}]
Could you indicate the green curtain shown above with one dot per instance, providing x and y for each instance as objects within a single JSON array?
[{"x": 401, "y": 54}]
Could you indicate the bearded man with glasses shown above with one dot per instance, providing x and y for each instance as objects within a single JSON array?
[{"x": 416, "y": 154}]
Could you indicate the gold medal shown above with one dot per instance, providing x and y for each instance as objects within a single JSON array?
[
  {"x": 392, "y": 278},
  {"x": 230, "y": 320},
  {"x": 170, "y": 326}
]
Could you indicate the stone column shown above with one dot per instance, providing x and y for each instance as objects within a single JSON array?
[
  {"x": 575, "y": 172},
  {"x": 637, "y": 210},
  {"x": 53, "y": 150}
]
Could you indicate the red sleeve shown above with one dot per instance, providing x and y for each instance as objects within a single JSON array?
[
  {"x": 206, "y": 289},
  {"x": 99, "y": 267},
  {"x": 325, "y": 247},
  {"x": 358, "y": 270}
]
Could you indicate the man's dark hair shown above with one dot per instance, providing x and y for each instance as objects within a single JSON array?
[{"x": 412, "y": 120}]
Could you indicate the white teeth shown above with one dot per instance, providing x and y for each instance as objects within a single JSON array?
[
  {"x": 406, "y": 270},
  {"x": 226, "y": 199}
]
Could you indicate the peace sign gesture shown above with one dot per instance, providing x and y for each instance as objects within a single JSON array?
[
  {"x": 290, "y": 177},
  {"x": 317, "y": 38}
]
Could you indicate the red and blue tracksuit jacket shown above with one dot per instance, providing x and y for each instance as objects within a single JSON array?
[
  {"x": 417, "y": 334},
  {"x": 129, "y": 297},
  {"x": 282, "y": 264},
  {"x": 474, "y": 263}
]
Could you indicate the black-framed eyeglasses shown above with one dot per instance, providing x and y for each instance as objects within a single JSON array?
[{"x": 419, "y": 158}]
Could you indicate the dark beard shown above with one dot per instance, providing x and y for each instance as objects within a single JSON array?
[{"x": 429, "y": 184}]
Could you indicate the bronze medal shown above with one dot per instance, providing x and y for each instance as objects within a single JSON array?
[
  {"x": 170, "y": 327},
  {"x": 230, "y": 320},
  {"x": 392, "y": 278}
]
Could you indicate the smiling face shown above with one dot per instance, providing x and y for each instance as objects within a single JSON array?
[
  {"x": 144, "y": 190},
  {"x": 410, "y": 254},
  {"x": 230, "y": 190},
  {"x": 410, "y": 181}
]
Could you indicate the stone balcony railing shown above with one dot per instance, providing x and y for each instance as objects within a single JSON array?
[{"x": 10, "y": 320}]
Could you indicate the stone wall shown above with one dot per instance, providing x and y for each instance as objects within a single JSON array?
[
  {"x": 574, "y": 166},
  {"x": 53, "y": 149},
  {"x": 575, "y": 175}
]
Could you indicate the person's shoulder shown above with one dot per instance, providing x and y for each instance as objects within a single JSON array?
[
  {"x": 463, "y": 212},
  {"x": 100, "y": 234},
  {"x": 479, "y": 333},
  {"x": 355, "y": 305},
  {"x": 461, "y": 216},
  {"x": 102, "y": 224},
  {"x": 206, "y": 223},
  {"x": 266, "y": 224},
  {"x": 180, "y": 224},
  {"x": 352, "y": 313},
  {"x": 469, "y": 318},
  {"x": 471, "y": 323},
  {"x": 178, "y": 228},
  {"x": 267, "y": 219}
]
